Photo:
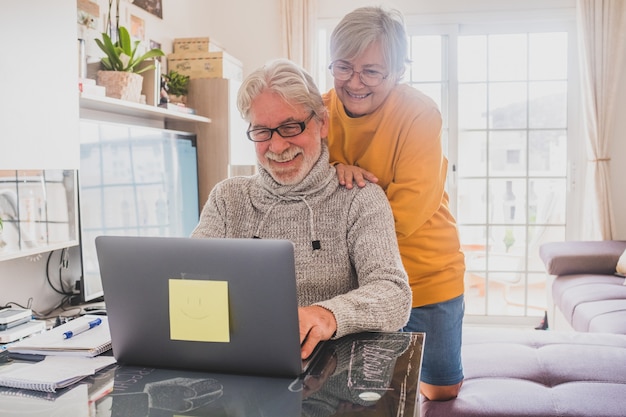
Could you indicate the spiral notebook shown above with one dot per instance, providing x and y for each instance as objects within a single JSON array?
[
  {"x": 52, "y": 373},
  {"x": 89, "y": 343}
]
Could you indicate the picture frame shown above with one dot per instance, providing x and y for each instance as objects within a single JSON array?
[
  {"x": 154, "y": 7},
  {"x": 155, "y": 45},
  {"x": 137, "y": 28}
]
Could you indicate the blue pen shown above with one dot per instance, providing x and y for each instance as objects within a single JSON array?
[{"x": 90, "y": 325}]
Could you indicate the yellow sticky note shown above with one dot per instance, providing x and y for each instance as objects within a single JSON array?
[{"x": 199, "y": 310}]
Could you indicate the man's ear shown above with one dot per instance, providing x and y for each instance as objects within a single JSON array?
[{"x": 324, "y": 126}]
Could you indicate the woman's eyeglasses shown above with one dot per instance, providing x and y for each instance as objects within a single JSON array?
[{"x": 344, "y": 72}]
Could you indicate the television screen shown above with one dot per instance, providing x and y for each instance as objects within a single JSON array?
[{"x": 133, "y": 181}]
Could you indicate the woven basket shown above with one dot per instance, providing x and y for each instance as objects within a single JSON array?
[{"x": 122, "y": 85}]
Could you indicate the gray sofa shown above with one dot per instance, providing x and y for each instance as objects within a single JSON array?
[
  {"x": 585, "y": 288},
  {"x": 553, "y": 373}
]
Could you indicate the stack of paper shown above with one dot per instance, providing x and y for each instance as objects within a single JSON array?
[
  {"x": 23, "y": 330},
  {"x": 16, "y": 323},
  {"x": 11, "y": 317},
  {"x": 88, "y": 343}
]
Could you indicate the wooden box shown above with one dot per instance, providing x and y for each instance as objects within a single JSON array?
[
  {"x": 206, "y": 65},
  {"x": 184, "y": 45}
]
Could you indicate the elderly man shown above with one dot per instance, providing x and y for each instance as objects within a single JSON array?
[{"x": 349, "y": 273}]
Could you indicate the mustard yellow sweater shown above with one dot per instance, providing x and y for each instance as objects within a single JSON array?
[{"x": 401, "y": 144}]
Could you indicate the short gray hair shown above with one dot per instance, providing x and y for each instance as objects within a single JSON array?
[
  {"x": 365, "y": 25},
  {"x": 285, "y": 78}
]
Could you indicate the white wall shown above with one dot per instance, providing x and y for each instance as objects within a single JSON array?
[
  {"x": 334, "y": 9},
  {"x": 23, "y": 280},
  {"x": 248, "y": 30},
  {"x": 38, "y": 110}
]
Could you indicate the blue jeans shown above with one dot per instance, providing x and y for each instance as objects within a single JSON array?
[{"x": 443, "y": 325}]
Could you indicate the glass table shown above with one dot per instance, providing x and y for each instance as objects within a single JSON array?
[{"x": 368, "y": 374}]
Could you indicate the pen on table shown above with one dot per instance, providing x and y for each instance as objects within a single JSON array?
[{"x": 81, "y": 329}]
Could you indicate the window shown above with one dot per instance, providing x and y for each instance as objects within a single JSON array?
[{"x": 505, "y": 92}]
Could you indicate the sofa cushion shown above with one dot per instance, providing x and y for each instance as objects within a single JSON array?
[
  {"x": 538, "y": 373},
  {"x": 565, "y": 283},
  {"x": 581, "y": 257},
  {"x": 604, "y": 317},
  {"x": 592, "y": 303}
]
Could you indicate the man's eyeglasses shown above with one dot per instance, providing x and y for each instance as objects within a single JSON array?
[
  {"x": 369, "y": 77},
  {"x": 288, "y": 130}
]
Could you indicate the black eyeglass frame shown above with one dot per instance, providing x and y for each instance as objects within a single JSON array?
[
  {"x": 359, "y": 73},
  {"x": 276, "y": 130}
]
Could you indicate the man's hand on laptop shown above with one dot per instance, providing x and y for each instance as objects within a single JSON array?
[{"x": 316, "y": 324}]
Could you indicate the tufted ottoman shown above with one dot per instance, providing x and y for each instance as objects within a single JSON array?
[{"x": 538, "y": 373}]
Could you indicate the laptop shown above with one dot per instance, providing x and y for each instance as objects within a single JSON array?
[{"x": 216, "y": 305}]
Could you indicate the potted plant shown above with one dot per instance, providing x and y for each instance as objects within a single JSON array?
[
  {"x": 176, "y": 86},
  {"x": 121, "y": 73}
]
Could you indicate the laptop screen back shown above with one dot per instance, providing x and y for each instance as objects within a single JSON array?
[{"x": 218, "y": 305}]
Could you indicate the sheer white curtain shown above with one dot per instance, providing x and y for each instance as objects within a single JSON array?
[
  {"x": 298, "y": 30},
  {"x": 602, "y": 29}
]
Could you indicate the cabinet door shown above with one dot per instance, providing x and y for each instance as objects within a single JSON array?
[
  {"x": 223, "y": 149},
  {"x": 39, "y": 84}
]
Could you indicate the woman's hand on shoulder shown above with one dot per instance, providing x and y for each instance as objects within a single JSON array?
[{"x": 348, "y": 175}]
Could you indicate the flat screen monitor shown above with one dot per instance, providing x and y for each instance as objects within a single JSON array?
[{"x": 133, "y": 181}]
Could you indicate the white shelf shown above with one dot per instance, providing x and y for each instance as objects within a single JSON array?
[
  {"x": 128, "y": 108},
  {"x": 37, "y": 250}
]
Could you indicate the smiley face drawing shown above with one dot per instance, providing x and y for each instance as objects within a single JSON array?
[
  {"x": 196, "y": 307},
  {"x": 199, "y": 310}
]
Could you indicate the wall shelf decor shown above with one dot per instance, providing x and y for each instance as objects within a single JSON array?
[{"x": 38, "y": 210}]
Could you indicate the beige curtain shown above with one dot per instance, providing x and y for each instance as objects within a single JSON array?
[
  {"x": 602, "y": 33},
  {"x": 298, "y": 32}
]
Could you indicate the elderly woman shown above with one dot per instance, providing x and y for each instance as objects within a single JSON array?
[{"x": 390, "y": 133}]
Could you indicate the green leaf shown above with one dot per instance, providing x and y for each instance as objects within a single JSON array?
[
  {"x": 110, "y": 50},
  {"x": 124, "y": 41},
  {"x": 176, "y": 83},
  {"x": 121, "y": 55}
]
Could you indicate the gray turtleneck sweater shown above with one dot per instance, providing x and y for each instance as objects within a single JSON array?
[{"x": 346, "y": 253}]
